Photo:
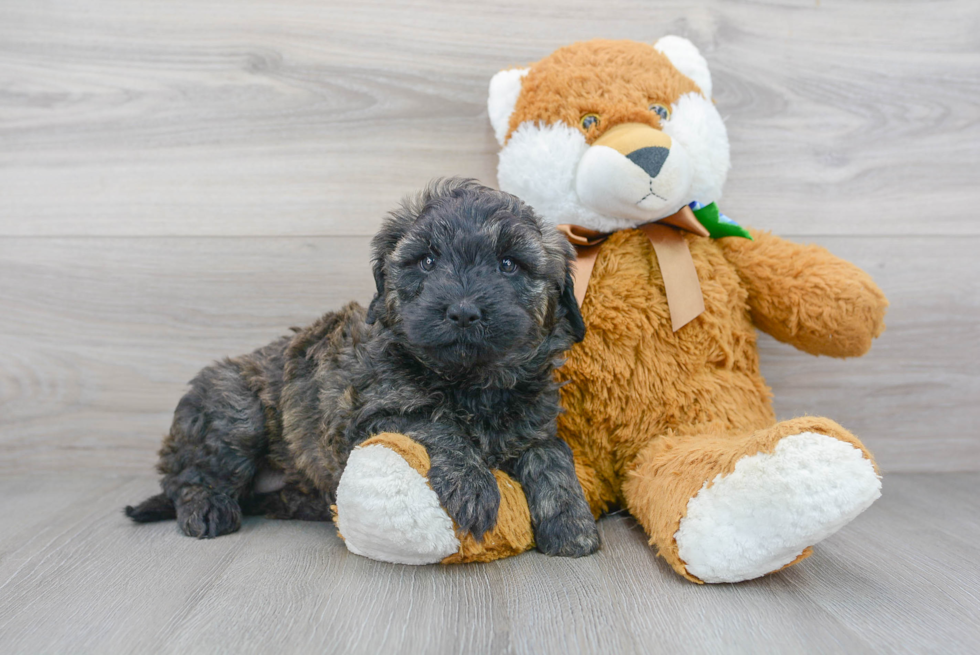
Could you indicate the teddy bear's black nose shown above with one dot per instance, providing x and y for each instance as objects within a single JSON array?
[
  {"x": 463, "y": 313},
  {"x": 650, "y": 159}
]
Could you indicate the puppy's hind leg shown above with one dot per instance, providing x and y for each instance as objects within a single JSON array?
[
  {"x": 210, "y": 456},
  {"x": 154, "y": 508}
]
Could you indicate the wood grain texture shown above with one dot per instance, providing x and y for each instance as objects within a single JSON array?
[
  {"x": 76, "y": 576},
  {"x": 99, "y": 336},
  {"x": 181, "y": 181},
  {"x": 265, "y": 117}
]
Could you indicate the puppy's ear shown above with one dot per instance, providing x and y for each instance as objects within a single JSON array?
[
  {"x": 572, "y": 313},
  {"x": 377, "y": 307}
]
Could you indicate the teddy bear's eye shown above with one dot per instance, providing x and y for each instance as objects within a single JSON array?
[
  {"x": 589, "y": 120},
  {"x": 660, "y": 110}
]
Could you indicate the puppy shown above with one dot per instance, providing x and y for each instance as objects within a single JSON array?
[{"x": 473, "y": 311}]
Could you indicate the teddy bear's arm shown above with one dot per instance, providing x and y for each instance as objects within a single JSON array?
[{"x": 807, "y": 297}]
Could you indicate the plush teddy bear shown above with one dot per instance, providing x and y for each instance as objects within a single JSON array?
[{"x": 668, "y": 416}]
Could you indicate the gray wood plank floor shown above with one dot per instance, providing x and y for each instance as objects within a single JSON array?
[{"x": 76, "y": 576}]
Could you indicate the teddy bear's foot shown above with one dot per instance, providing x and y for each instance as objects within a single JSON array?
[
  {"x": 773, "y": 507},
  {"x": 729, "y": 508},
  {"x": 387, "y": 511}
]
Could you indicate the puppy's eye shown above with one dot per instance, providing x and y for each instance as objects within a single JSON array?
[
  {"x": 660, "y": 110},
  {"x": 589, "y": 121},
  {"x": 427, "y": 263},
  {"x": 508, "y": 265}
]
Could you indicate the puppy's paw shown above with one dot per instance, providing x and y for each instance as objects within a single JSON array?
[
  {"x": 470, "y": 496},
  {"x": 206, "y": 515},
  {"x": 570, "y": 533}
]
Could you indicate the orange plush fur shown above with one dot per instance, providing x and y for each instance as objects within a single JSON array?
[
  {"x": 612, "y": 79},
  {"x": 654, "y": 416}
]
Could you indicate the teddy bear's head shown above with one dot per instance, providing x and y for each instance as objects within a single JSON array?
[{"x": 610, "y": 134}]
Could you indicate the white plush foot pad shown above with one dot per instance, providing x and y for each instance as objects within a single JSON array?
[
  {"x": 771, "y": 507},
  {"x": 387, "y": 511}
]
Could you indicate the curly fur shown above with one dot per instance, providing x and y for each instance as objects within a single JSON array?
[{"x": 477, "y": 397}]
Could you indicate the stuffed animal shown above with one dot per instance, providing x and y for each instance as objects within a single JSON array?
[{"x": 668, "y": 416}]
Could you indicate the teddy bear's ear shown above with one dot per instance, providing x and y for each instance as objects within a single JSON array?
[
  {"x": 685, "y": 57},
  {"x": 505, "y": 87}
]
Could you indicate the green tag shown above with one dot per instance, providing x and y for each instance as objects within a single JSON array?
[{"x": 717, "y": 224}]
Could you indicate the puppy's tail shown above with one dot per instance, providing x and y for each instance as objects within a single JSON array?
[{"x": 154, "y": 508}]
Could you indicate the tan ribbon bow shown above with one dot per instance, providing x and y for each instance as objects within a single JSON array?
[{"x": 684, "y": 298}]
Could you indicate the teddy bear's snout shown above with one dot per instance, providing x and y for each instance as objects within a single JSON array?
[
  {"x": 632, "y": 138},
  {"x": 634, "y": 171},
  {"x": 643, "y": 145}
]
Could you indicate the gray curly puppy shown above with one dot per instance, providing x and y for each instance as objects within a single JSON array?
[{"x": 473, "y": 311}]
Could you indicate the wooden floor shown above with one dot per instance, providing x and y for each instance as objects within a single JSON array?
[
  {"x": 184, "y": 180},
  {"x": 77, "y": 577}
]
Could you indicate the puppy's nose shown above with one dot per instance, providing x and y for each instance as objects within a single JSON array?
[
  {"x": 463, "y": 313},
  {"x": 650, "y": 160}
]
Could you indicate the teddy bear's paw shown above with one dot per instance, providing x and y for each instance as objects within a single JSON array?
[
  {"x": 387, "y": 511},
  {"x": 772, "y": 507}
]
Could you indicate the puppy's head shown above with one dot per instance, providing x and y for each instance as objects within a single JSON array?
[{"x": 468, "y": 278}]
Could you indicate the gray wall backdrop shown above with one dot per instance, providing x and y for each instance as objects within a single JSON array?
[{"x": 181, "y": 181}]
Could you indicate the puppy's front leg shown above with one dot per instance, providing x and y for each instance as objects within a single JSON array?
[
  {"x": 463, "y": 482},
  {"x": 562, "y": 521}
]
